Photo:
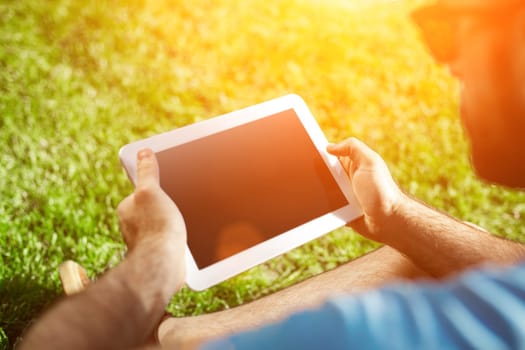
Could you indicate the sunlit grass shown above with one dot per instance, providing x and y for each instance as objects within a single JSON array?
[{"x": 79, "y": 80}]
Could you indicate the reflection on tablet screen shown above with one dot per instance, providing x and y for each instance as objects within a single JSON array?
[{"x": 242, "y": 186}]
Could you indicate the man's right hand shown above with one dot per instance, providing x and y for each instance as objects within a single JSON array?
[{"x": 373, "y": 185}]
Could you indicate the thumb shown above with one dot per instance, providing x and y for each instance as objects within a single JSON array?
[
  {"x": 147, "y": 168},
  {"x": 356, "y": 150}
]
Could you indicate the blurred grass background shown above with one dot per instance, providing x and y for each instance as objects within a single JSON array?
[{"x": 80, "y": 79}]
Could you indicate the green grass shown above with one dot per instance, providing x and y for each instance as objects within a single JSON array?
[{"x": 79, "y": 80}]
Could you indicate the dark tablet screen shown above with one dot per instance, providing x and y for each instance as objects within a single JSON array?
[{"x": 242, "y": 186}]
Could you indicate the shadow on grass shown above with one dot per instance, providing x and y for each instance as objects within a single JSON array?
[{"x": 21, "y": 301}]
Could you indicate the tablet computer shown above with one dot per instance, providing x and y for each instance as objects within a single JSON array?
[{"x": 251, "y": 185}]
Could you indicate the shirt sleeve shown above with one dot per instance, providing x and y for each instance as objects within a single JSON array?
[{"x": 480, "y": 310}]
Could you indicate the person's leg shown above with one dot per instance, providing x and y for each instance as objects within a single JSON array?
[{"x": 374, "y": 269}]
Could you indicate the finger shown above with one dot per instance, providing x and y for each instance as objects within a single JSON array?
[
  {"x": 147, "y": 168},
  {"x": 359, "y": 153},
  {"x": 360, "y": 226}
]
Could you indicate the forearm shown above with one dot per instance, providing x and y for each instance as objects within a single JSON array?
[
  {"x": 441, "y": 245},
  {"x": 120, "y": 310}
]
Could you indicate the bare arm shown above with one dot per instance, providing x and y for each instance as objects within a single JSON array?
[
  {"x": 441, "y": 245},
  {"x": 119, "y": 311},
  {"x": 434, "y": 241},
  {"x": 122, "y": 309}
]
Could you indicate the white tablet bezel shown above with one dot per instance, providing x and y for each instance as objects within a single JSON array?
[{"x": 200, "y": 279}]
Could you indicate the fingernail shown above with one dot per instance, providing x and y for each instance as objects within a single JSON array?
[{"x": 143, "y": 153}]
